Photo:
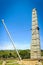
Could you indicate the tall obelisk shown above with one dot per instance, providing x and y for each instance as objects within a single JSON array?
[{"x": 35, "y": 45}]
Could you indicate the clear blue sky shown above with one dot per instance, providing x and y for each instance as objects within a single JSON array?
[{"x": 18, "y": 19}]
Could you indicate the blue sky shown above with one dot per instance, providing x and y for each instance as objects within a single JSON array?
[{"x": 18, "y": 19}]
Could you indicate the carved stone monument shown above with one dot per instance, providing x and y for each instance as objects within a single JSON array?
[{"x": 35, "y": 45}]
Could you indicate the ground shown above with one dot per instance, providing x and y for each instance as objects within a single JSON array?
[{"x": 23, "y": 62}]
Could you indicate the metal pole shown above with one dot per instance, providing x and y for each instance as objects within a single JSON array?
[{"x": 10, "y": 38}]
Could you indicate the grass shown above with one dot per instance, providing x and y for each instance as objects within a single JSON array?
[
  {"x": 42, "y": 62},
  {"x": 1, "y": 62},
  {"x": 11, "y": 62}
]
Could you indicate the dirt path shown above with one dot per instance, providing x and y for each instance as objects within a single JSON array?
[
  {"x": 31, "y": 63},
  {"x": 39, "y": 63},
  {"x": 4, "y": 63}
]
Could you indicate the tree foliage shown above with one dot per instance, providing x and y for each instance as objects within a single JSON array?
[{"x": 25, "y": 54}]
